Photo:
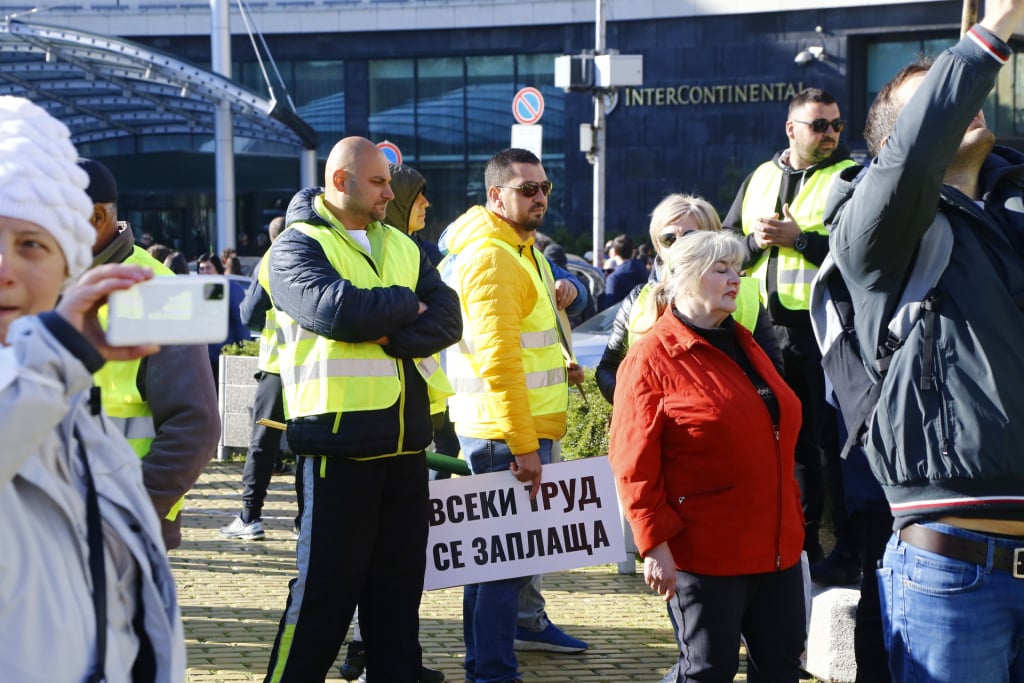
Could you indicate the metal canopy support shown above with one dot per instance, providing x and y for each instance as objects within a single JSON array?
[
  {"x": 108, "y": 90},
  {"x": 224, "y": 153},
  {"x": 307, "y": 169}
]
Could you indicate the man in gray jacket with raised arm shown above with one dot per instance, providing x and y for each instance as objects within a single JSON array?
[{"x": 945, "y": 439}]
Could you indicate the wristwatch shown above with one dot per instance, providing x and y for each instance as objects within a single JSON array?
[{"x": 800, "y": 243}]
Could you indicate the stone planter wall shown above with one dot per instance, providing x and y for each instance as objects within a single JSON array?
[{"x": 236, "y": 393}]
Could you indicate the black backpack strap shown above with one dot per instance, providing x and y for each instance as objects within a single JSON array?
[{"x": 97, "y": 564}]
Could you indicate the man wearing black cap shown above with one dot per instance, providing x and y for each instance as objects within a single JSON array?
[{"x": 166, "y": 403}]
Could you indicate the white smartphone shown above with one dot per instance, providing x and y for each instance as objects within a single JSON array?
[{"x": 184, "y": 309}]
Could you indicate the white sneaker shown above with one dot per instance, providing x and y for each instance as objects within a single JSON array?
[{"x": 253, "y": 531}]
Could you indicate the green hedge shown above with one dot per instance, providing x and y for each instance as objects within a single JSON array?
[
  {"x": 587, "y": 432},
  {"x": 242, "y": 348}
]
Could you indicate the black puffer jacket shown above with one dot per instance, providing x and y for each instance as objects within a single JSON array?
[{"x": 305, "y": 286}]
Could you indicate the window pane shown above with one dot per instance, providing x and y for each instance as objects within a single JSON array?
[
  {"x": 318, "y": 92},
  {"x": 490, "y": 88},
  {"x": 441, "y": 108},
  {"x": 392, "y": 104}
]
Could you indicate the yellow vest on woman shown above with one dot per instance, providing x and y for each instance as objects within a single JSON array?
[{"x": 748, "y": 305}]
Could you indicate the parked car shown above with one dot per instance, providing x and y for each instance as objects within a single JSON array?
[
  {"x": 590, "y": 338},
  {"x": 588, "y": 273}
]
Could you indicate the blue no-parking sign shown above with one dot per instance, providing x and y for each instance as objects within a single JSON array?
[
  {"x": 391, "y": 151},
  {"x": 528, "y": 106}
]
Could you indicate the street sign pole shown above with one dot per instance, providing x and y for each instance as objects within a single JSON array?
[
  {"x": 527, "y": 109},
  {"x": 599, "y": 146}
]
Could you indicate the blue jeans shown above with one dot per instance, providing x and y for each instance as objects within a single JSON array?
[
  {"x": 949, "y": 620},
  {"x": 532, "y": 614},
  {"x": 489, "y": 610}
]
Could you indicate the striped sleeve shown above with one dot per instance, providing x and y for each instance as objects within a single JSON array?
[{"x": 996, "y": 49}]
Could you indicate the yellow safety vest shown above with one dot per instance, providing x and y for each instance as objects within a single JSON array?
[
  {"x": 268, "y": 360},
  {"x": 794, "y": 272},
  {"x": 119, "y": 388},
  {"x": 543, "y": 362},
  {"x": 748, "y": 305},
  {"x": 321, "y": 375}
]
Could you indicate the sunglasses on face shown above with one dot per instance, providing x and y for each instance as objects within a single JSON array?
[
  {"x": 669, "y": 238},
  {"x": 529, "y": 189},
  {"x": 821, "y": 125}
]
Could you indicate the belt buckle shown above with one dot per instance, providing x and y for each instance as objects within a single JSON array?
[{"x": 1018, "y": 563}]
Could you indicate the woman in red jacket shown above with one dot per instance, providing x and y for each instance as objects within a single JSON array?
[{"x": 702, "y": 449}]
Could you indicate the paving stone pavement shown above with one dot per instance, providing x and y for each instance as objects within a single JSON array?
[{"x": 233, "y": 592}]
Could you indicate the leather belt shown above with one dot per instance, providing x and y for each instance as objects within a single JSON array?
[{"x": 965, "y": 549}]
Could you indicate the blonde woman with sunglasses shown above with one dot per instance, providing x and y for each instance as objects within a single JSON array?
[{"x": 676, "y": 216}]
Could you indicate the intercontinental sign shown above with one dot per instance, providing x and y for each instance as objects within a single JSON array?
[{"x": 689, "y": 94}]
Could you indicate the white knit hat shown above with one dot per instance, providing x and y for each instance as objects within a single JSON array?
[{"x": 40, "y": 181}]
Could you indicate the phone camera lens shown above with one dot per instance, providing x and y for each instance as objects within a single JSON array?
[{"x": 214, "y": 292}]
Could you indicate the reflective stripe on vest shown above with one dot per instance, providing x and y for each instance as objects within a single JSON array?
[
  {"x": 543, "y": 362},
  {"x": 136, "y": 428},
  {"x": 321, "y": 375},
  {"x": 794, "y": 272},
  {"x": 527, "y": 340},
  {"x": 534, "y": 380}
]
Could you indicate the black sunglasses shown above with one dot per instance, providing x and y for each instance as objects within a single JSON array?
[
  {"x": 821, "y": 125},
  {"x": 530, "y": 188},
  {"x": 669, "y": 238}
]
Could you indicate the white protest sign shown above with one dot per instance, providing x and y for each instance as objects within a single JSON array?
[{"x": 485, "y": 527}]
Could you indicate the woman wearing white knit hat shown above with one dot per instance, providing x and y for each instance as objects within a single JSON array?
[{"x": 85, "y": 588}]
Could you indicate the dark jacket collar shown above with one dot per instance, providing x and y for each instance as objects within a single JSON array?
[{"x": 118, "y": 249}]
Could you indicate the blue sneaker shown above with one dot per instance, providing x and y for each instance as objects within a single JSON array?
[{"x": 551, "y": 639}]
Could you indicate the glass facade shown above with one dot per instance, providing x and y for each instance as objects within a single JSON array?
[{"x": 449, "y": 115}]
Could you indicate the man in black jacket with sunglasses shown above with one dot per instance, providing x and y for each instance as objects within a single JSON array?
[{"x": 779, "y": 210}]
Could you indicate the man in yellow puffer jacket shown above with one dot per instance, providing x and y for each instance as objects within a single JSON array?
[{"x": 509, "y": 372}]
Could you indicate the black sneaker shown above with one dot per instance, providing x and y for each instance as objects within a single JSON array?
[
  {"x": 428, "y": 675},
  {"x": 355, "y": 661}
]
